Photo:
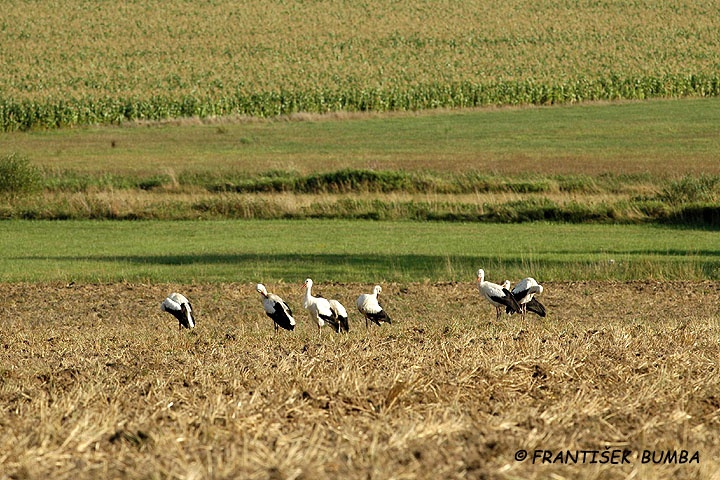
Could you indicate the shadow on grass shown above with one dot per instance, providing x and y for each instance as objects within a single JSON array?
[
  {"x": 409, "y": 265},
  {"x": 386, "y": 267},
  {"x": 367, "y": 259},
  {"x": 309, "y": 259}
]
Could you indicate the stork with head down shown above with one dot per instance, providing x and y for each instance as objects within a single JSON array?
[
  {"x": 276, "y": 308},
  {"x": 179, "y": 307},
  {"x": 524, "y": 293},
  {"x": 341, "y": 316}
]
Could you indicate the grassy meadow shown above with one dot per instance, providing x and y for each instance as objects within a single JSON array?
[
  {"x": 668, "y": 138},
  {"x": 349, "y": 251},
  {"x": 638, "y": 162}
]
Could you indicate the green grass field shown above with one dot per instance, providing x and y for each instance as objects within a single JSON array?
[
  {"x": 662, "y": 138},
  {"x": 649, "y": 162},
  {"x": 349, "y": 251}
]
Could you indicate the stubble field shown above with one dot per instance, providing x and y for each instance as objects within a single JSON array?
[{"x": 96, "y": 382}]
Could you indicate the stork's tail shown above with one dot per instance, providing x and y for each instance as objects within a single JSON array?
[
  {"x": 344, "y": 325},
  {"x": 511, "y": 304}
]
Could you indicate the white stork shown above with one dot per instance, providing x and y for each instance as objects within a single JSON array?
[
  {"x": 276, "y": 309},
  {"x": 524, "y": 293},
  {"x": 370, "y": 307},
  {"x": 179, "y": 307},
  {"x": 497, "y": 295},
  {"x": 319, "y": 308}
]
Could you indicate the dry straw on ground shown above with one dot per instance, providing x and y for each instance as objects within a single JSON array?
[{"x": 96, "y": 382}]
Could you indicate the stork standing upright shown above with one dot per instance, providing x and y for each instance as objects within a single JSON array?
[
  {"x": 179, "y": 307},
  {"x": 524, "y": 293},
  {"x": 319, "y": 308},
  {"x": 369, "y": 305},
  {"x": 499, "y": 296},
  {"x": 276, "y": 308}
]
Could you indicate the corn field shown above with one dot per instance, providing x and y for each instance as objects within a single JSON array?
[{"x": 74, "y": 62}]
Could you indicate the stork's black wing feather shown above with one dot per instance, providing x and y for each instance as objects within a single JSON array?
[
  {"x": 508, "y": 300},
  {"x": 536, "y": 307},
  {"x": 344, "y": 325},
  {"x": 281, "y": 319},
  {"x": 330, "y": 320},
  {"x": 379, "y": 317}
]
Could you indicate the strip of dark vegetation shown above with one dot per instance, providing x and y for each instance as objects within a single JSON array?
[
  {"x": 692, "y": 201},
  {"x": 705, "y": 216},
  {"x": 24, "y": 177},
  {"x": 384, "y": 181},
  {"x": 688, "y": 189},
  {"x": 58, "y": 113}
]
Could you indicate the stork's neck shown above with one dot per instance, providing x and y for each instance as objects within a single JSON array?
[{"x": 308, "y": 295}]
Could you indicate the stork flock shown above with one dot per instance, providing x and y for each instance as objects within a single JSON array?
[{"x": 521, "y": 299}]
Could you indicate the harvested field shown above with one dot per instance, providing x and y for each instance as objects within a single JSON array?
[{"x": 96, "y": 382}]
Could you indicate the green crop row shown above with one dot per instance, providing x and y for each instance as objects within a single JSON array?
[
  {"x": 73, "y": 62},
  {"x": 54, "y": 113}
]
